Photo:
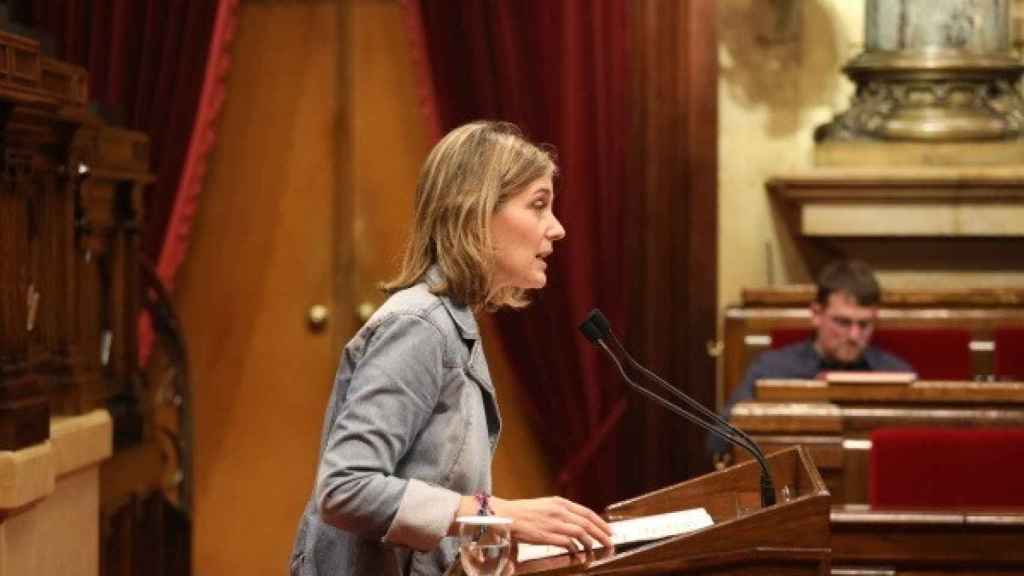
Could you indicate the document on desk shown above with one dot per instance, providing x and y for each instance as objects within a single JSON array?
[{"x": 641, "y": 529}]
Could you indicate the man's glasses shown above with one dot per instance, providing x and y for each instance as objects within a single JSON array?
[{"x": 847, "y": 323}]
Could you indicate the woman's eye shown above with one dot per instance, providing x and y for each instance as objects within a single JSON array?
[{"x": 540, "y": 204}]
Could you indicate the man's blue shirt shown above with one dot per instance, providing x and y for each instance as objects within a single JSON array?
[{"x": 800, "y": 361}]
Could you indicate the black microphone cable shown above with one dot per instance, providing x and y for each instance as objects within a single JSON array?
[
  {"x": 668, "y": 405},
  {"x": 596, "y": 328}
]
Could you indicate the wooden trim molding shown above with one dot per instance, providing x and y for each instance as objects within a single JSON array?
[{"x": 903, "y": 203}]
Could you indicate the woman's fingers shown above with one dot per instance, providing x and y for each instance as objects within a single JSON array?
[
  {"x": 595, "y": 526},
  {"x": 591, "y": 525},
  {"x": 578, "y": 537},
  {"x": 590, "y": 515},
  {"x": 555, "y": 521}
]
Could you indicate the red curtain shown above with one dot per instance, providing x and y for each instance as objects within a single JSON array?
[
  {"x": 157, "y": 67},
  {"x": 145, "y": 60},
  {"x": 559, "y": 71}
]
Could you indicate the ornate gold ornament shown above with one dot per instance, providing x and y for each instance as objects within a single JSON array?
[{"x": 933, "y": 71}]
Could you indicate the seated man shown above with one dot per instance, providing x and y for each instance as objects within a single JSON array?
[{"x": 843, "y": 315}]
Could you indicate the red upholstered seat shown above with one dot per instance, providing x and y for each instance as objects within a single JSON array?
[
  {"x": 935, "y": 354},
  {"x": 1010, "y": 353},
  {"x": 782, "y": 337},
  {"x": 947, "y": 467}
]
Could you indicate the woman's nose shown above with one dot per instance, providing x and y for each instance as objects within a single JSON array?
[{"x": 556, "y": 232}]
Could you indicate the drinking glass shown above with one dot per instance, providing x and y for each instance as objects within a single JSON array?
[{"x": 485, "y": 544}]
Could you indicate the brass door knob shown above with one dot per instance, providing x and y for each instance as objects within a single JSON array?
[{"x": 317, "y": 317}]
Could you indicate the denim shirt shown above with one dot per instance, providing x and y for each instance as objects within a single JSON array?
[{"x": 410, "y": 427}]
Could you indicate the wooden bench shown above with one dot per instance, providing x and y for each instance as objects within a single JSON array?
[
  {"x": 834, "y": 421},
  {"x": 871, "y": 542},
  {"x": 944, "y": 334}
]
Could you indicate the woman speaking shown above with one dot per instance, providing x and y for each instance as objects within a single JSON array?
[{"x": 412, "y": 420}]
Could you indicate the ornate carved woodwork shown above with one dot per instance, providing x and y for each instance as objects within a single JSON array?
[
  {"x": 71, "y": 191},
  {"x": 71, "y": 288},
  {"x": 934, "y": 72}
]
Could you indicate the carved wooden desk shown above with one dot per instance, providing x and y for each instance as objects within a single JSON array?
[
  {"x": 867, "y": 542},
  {"x": 834, "y": 421}
]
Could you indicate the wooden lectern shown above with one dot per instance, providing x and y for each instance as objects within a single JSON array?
[{"x": 790, "y": 538}]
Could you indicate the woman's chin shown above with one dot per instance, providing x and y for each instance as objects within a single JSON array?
[{"x": 534, "y": 281}]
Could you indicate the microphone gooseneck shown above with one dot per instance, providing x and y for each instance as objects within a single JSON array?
[{"x": 597, "y": 329}]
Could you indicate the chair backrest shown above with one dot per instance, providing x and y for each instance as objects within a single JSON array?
[
  {"x": 934, "y": 353},
  {"x": 946, "y": 467},
  {"x": 1009, "y": 353}
]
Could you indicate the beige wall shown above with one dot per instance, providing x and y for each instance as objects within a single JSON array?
[
  {"x": 50, "y": 496},
  {"x": 779, "y": 79}
]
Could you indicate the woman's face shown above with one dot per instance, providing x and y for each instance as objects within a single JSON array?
[{"x": 523, "y": 232}]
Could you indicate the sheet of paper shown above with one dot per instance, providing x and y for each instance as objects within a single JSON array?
[
  {"x": 851, "y": 377},
  {"x": 641, "y": 529}
]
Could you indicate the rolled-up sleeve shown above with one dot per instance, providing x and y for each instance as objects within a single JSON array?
[{"x": 391, "y": 395}]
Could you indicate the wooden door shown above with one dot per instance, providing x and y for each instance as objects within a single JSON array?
[{"x": 270, "y": 242}]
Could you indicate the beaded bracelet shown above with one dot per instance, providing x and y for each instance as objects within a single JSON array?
[{"x": 483, "y": 499}]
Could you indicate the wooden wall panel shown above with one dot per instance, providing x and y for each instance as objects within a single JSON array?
[{"x": 265, "y": 249}]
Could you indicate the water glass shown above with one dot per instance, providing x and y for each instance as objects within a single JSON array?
[{"x": 485, "y": 544}]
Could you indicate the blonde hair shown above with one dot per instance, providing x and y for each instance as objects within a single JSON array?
[{"x": 464, "y": 180}]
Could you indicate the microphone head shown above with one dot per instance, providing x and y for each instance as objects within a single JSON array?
[{"x": 595, "y": 327}]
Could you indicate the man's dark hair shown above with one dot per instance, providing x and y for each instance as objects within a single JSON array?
[{"x": 853, "y": 277}]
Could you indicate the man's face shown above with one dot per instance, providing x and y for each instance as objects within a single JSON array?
[{"x": 843, "y": 326}]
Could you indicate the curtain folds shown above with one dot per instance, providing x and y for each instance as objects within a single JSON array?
[
  {"x": 627, "y": 93},
  {"x": 157, "y": 67},
  {"x": 146, "y": 60},
  {"x": 558, "y": 70}
]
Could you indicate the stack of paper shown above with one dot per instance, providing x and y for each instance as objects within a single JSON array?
[{"x": 641, "y": 529}]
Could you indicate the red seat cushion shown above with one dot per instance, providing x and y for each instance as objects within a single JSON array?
[
  {"x": 1010, "y": 353},
  {"x": 947, "y": 467},
  {"x": 935, "y": 354},
  {"x": 782, "y": 337}
]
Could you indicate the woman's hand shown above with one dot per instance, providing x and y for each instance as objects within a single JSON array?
[{"x": 554, "y": 521}]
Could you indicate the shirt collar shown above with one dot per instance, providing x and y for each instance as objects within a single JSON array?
[
  {"x": 825, "y": 364},
  {"x": 462, "y": 315}
]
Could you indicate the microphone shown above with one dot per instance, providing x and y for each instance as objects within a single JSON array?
[{"x": 597, "y": 329}]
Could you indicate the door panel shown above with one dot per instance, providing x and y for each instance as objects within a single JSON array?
[{"x": 267, "y": 245}]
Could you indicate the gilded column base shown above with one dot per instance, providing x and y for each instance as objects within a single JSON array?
[{"x": 930, "y": 97}]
